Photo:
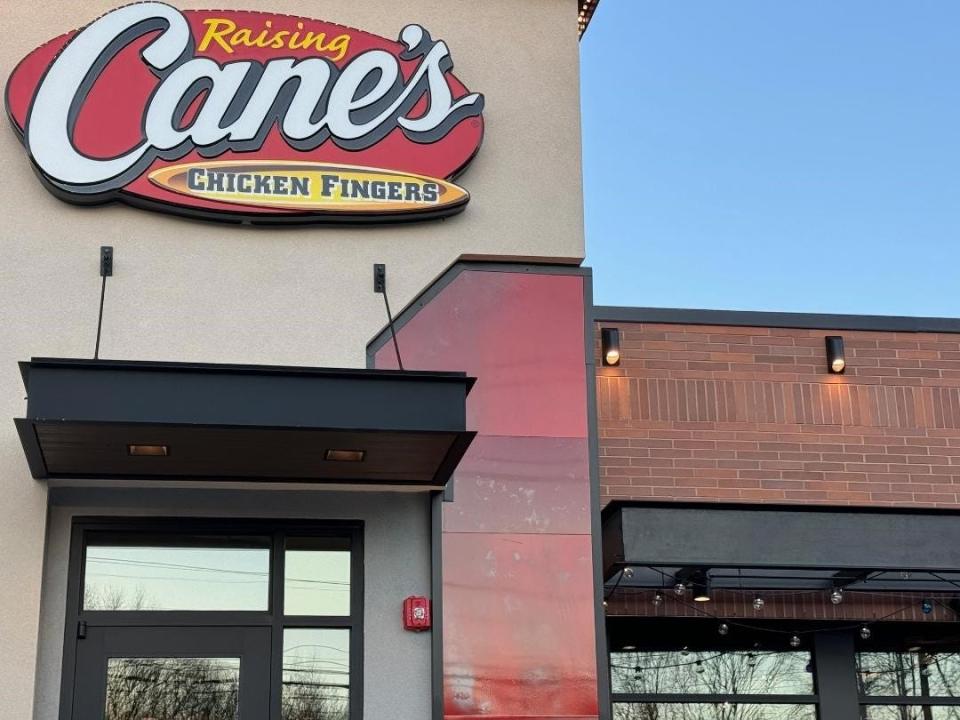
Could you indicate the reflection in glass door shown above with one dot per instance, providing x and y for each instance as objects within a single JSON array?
[{"x": 173, "y": 674}]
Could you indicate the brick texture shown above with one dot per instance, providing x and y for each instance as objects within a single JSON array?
[{"x": 750, "y": 414}]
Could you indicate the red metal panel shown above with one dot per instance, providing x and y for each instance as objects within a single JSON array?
[
  {"x": 518, "y": 619},
  {"x": 521, "y": 336},
  {"x": 521, "y": 485},
  {"x": 518, "y": 625}
]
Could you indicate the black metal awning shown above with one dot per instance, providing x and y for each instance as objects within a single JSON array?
[
  {"x": 187, "y": 421},
  {"x": 781, "y": 548}
]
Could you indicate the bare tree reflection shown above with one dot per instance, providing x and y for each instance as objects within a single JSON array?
[
  {"x": 911, "y": 676},
  {"x": 208, "y": 689},
  {"x": 310, "y": 698},
  {"x": 711, "y": 673},
  {"x": 112, "y": 597},
  {"x": 173, "y": 688}
]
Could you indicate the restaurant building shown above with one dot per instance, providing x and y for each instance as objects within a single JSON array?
[{"x": 314, "y": 416}]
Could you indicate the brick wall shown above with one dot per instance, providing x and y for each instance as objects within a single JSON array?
[{"x": 750, "y": 414}]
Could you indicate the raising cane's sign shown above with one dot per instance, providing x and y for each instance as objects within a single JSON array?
[{"x": 247, "y": 116}]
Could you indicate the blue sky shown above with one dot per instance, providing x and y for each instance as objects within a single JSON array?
[{"x": 758, "y": 155}]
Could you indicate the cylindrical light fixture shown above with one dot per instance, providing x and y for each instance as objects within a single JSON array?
[
  {"x": 701, "y": 587},
  {"x": 610, "y": 346},
  {"x": 836, "y": 362}
]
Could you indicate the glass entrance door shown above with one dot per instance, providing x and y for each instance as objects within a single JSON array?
[
  {"x": 214, "y": 620},
  {"x": 162, "y": 673}
]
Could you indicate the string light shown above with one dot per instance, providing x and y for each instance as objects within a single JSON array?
[
  {"x": 865, "y": 632},
  {"x": 758, "y": 603},
  {"x": 658, "y": 599},
  {"x": 836, "y": 597},
  {"x": 628, "y": 572},
  {"x": 723, "y": 629},
  {"x": 795, "y": 641},
  {"x": 679, "y": 589},
  {"x": 699, "y": 666}
]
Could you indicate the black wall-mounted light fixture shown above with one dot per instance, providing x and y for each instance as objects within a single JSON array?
[
  {"x": 610, "y": 346},
  {"x": 836, "y": 361},
  {"x": 700, "y": 585}
]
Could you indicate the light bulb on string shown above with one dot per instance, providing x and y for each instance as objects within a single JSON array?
[
  {"x": 865, "y": 632},
  {"x": 658, "y": 599},
  {"x": 758, "y": 603},
  {"x": 795, "y": 641},
  {"x": 836, "y": 597},
  {"x": 751, "y": 660},
  {"x": 679, "y": 589},
  {"x": 699, "y": 666},
  {"x": 685, "y": 651},
  {"x": 628, "y": 572},
  {"x": 723, "y": 629}
]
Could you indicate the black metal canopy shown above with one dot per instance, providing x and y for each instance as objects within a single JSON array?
[
  {"x": 186, "y": 421},
  {"x": 781, "y": 548}
]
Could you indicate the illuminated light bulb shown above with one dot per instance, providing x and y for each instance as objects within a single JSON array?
[
  {"x": 723, "y": 629},
  {"x": 836, "y": 597},
  {"x": 795, "y": 641},
  {"x": 758, "y": 603},
  {"x": 679, "y": 589},
  {"x": 865, "y": 632},
  {"x": 658, "y": 599},
  {"x": 628, "y": 572}
]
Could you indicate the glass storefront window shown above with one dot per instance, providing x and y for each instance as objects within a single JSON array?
[
  {"x": 194, "y": 574},
  {"x": 712, "y": 711},
  {"x": 711, "y": 672},
  {"x": 909, "y": 674},
  {"x": 316, "y": 674},
  {"x": 316, "y": 577}
]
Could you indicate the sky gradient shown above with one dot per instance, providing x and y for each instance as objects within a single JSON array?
[{"x": 761, "y": 155}]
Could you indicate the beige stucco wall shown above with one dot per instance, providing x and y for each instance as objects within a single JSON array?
[{"x": 185, "y": 290}]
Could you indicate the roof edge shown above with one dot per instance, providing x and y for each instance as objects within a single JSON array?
[{"x": 765, "y": 319}]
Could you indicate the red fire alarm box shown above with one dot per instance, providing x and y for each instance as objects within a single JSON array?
[{"x": 416, "y": 614}]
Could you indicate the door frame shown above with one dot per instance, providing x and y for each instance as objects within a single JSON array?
[{"x": 79, "y": 620}]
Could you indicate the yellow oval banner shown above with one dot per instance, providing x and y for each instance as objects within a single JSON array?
[{"x": 310, "y": 187}]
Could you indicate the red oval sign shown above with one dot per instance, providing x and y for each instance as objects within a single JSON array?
[{"x": 364, "y": 128}]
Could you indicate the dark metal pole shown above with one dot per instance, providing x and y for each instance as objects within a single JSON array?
[{"x": 835, "y": 663}]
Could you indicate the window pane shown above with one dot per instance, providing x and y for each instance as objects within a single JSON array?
[
  {"x": 909, "y": 674},
  {"x": 172, "y": 688},
  {"x": 316, "y": 674},
  {"x": 217, "y": 575},
  {"x": 708, "y": 711},
  {"x": 909, "y": 712},
  {"x": 728, "y": 672},
  {"x": 316, "y": 577}
]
